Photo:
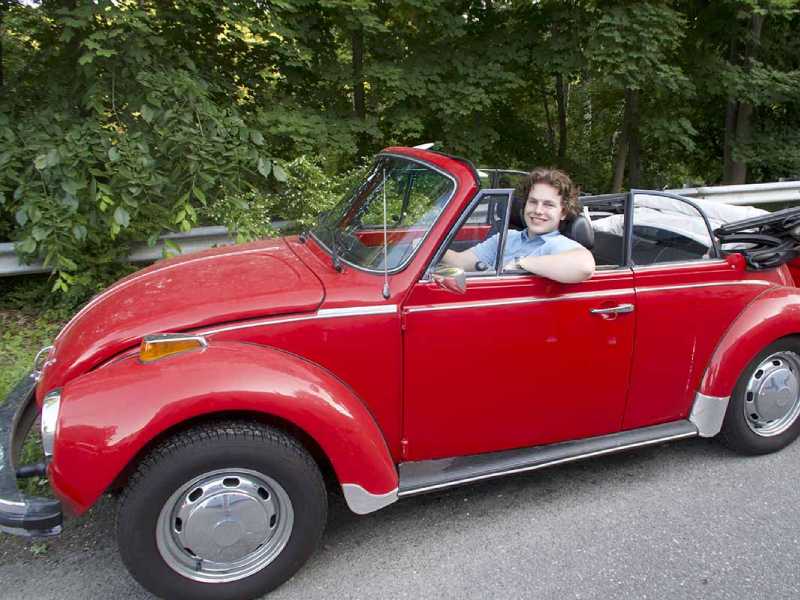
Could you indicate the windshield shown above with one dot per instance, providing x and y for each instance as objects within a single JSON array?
[{"x": 414, "y": 196}]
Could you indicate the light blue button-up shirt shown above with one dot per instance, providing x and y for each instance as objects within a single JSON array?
[{"x": 520, "y": 244}]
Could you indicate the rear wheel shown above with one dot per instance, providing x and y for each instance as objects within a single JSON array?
[
  {"x": 225, "y": 510},
  {"x": 763, "y": 412}
]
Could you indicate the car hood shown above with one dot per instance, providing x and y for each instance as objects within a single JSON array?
[{"x": 216, "y": 286}]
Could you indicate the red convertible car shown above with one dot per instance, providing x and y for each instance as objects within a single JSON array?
[{"x": 224, "y": 393}]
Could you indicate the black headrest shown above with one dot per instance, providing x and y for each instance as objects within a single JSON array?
[
  {"x": 516, "y": 220},
  {"x": 578, "y": 228}
]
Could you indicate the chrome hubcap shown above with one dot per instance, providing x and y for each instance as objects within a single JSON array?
[
  {"x": 224, "y": 525},
  {"x": 772, "y": 397}
]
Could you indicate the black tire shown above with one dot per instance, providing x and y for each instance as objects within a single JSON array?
[
  {"x": 744, "y": 429},
  {"x": 220, "y": 454}
]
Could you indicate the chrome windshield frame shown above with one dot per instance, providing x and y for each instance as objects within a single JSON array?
[{"x": 411, "y": 256}]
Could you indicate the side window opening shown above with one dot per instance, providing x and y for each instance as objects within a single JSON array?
[
  {"x": 667, "y": 229},
  {"x": 481, "y": 232}
]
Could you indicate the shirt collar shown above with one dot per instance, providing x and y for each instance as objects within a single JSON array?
[{"x": 545, "y": 236}]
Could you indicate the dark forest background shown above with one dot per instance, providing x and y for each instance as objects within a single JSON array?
[{"x": 120, "y": 120}]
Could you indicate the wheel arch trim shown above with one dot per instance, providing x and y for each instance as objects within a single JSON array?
[
  {"x": 361, "y": 502},
  {"x": 708, "y": 413}
]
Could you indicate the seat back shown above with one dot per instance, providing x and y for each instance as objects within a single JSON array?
[{"x": 578, "y": 228}]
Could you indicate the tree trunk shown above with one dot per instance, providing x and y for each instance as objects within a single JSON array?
[
  {"x": 2, "y": 72},
  {"x": 359, "y": 105},
  {"x": 551, "y": 134},
  {"x": 739, "y": 115},
  {"x": 738, "y": 168},
  {"x": 730, "y": 136},
  {"x": 619, "y": 161},
  {"x": 628, "y": 149},
  {"x": 634, "y": 150},
  {"x": 4, "y": 6},
  {"x": 561, "y": 100},
  {"x": 359, "y": 91}
]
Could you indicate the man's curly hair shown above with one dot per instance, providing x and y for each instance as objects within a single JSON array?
[{"x": 559, "y": 180}]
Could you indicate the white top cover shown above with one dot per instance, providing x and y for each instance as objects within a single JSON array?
[{"x": 677, "y": 216}]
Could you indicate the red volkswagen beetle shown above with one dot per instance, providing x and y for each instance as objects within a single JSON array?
[{"x": 221, "y": 393}]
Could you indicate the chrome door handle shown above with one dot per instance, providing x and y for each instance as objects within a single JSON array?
[{"x": 614, "y": 310}]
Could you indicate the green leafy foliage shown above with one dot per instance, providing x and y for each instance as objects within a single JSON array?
[
  {"x": 308, "y": 190},
  {"x": 29, "y": 320},
  {"x": 121, "y": 120},
  {"x": 130, "y": 140}
]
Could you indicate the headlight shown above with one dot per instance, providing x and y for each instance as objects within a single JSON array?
[{"x": 52, "y": 402}]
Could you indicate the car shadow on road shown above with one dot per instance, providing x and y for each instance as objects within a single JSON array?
[{"x": 411, "y": 522}]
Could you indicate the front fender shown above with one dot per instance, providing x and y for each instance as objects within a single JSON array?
[
  {"x": 772, "y": 315},
  {"x": 109, "y": 415}
]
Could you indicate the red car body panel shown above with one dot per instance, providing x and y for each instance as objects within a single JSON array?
[
  {"x": 507, "y": 353},
  {"x": 110, "y": 414},
  {"x": 367, "y": 357},
  {"x": 220, "y": 285},
  {"x": 682, "y": 311},
  {"x": 772, "y": 315}
]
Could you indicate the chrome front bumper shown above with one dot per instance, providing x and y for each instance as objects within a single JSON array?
[{"x": 20, "y": 514}]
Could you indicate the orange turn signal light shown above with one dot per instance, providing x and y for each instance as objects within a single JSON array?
[{"x": 155, "y": 347}]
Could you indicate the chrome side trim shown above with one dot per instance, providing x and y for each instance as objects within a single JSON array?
[
  {"x": 478, "y": 276},
  {"x": 362, "y": 502},
  {"x": 526, "y": 300},
  {"x": 681, "y": 264},
  {"x": 659, "y": 288},
  {"x": 381, "y": 309},
  {"x": 708, "y": 412},
  {"x": 325, "y": 313},
  {"x": 579, "y": 295},
  {"x": 257, "y": 324},
  {"x": 430, "y": 475},
  {"x": 155, "y": 338}
]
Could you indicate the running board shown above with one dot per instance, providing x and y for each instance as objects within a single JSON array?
[{"x": 430, "y": 475}]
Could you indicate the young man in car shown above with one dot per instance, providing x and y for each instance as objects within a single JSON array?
[{"x": 539, "y": 248}]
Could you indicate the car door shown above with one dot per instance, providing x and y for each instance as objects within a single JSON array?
[
  {"x": 517, "y": 360},
  {"x": 686, "y": 298}
]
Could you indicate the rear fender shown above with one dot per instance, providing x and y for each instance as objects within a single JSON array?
[
  {"x": 772, "y": 315},
  {"x": 109, "y": 415}
]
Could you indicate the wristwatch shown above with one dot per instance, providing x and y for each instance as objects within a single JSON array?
[{"x": 518, "y": 264}]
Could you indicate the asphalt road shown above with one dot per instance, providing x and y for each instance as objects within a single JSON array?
[{"x": 689, "y": 519}]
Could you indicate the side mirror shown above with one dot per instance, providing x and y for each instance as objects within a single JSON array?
[{"x": 452, "y": 279}]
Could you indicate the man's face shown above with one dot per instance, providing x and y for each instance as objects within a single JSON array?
[{"x": 543, "y": 210}]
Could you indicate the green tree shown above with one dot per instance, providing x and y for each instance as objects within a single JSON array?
[
  {"x": 633, "y": 48},
  {"x": 110, "y": 131}
]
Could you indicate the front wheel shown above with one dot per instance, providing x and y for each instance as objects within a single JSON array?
[
  {"x": 763, "y": 411},
  {"x": 224, "y": 510}
]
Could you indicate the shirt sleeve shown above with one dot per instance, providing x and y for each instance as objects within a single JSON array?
[
  {"x": 486, "y": 251},
  {"x": 561, "y": 244}
]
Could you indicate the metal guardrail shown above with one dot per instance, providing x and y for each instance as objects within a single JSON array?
[
  {"x": 751, "y": 194},
  {"x": 199, "y": 238}
]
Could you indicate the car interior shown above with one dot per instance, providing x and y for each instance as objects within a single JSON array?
[{"x": 600, "y": 228}]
